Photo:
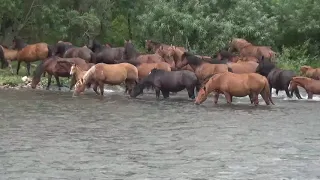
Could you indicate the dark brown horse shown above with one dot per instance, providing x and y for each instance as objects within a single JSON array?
[
  {"x": 30, "y": 53},
  {"x": 61, "y": 48},
  {"x": 105, "y": 54},
  {"x": 80, "y": 52},
  {"x": 247, "y": 49},
  {"x": 57, "y": 67},
  {"x": 132, "y": 56}
]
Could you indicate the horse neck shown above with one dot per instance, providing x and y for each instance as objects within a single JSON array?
[
  {"x": 301, "y": 81},
  {"x": 10, "y": 53},
  {"x": 79, "y": 73}
]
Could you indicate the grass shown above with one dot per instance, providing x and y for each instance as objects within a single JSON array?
[{"x": 7, "y": 78}]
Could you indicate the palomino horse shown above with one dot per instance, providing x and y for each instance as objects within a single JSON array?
[
  {"x": 80, "y": 52},
  {"x": 144, "y": 69},
  {"x": 311, "y": 86},
  {"x": 278, "y": 79},
  {"x": 247, "y": 49},
  {"x": 113, "y": 74},
  {"x": 168, "y": 81},
  {"x": 202, "y": 69},
  {"x": 239, "y": 85},
  {"x": 77, "y": 73},
  {"x": 7, "y": 56},
  {"x": 310, "y": 72},
  {"x": 225, "y": 55},
  {"x": 132, "y": 56},
  {"x": 30, "y": 53},
  {"x": 81, "y": 63},
  {"x": 104, "y": 54}
]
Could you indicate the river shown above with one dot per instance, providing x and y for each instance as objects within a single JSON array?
[{"x": 52, "y": 135}]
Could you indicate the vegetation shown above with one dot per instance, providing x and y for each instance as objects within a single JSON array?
[{"x": 291, "y": 27}]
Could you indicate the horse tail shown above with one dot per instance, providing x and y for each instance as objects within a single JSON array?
[
  {"x": 93, "y": 58},
  {"x": 266, "y": 94}
]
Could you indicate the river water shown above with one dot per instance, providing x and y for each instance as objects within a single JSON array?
[{"x": 52, "y": 135}]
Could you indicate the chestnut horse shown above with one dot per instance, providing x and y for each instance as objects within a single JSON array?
[
  {"x": 144, "y": 69},
  {"x": 239, "y": 85},
  {"x": 6, "y": 56},
  {"x": 241, "y": 67},
  {"x": 153, "y": 46},
  {"x": 247, "y": 49},
  {"x": 77, "y": 73},
  {"x": 177, "y": 53},
  {"x": 310, "y": 72},
  {"x": 113, "y": 74},
  {"x": 168, "y": 56},
  {"x": 311, "y": 86},
  {"x": 104, "y": 54},
  {"x": 132, "y": 56},
  {"x": 202, "y": 69},
  {"x": 225, "y": 55},
  {"x": 30, "y": 53}
]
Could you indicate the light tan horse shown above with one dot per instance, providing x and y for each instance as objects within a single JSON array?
[
  {"x": 239, "y": 85},
  {"x": 9, "y": 56},
  {"x": 310, "y": 72},
  {"x": 77, "y": 73},
  {"x": 245, "y": 48},
  {"x": 311, "y": 86},
  {"x": 112, "y": 74}
]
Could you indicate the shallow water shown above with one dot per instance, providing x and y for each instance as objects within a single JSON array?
[{"x": 52, "y": 135}]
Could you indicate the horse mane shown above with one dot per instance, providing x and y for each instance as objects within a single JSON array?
[{"x": 87, "y": 76}]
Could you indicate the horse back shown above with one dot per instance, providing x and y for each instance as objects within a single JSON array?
[{"x": 34, "y": 52}]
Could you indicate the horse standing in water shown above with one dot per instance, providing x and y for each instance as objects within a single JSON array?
[
  {"x": 247, "y": 49},
  {"x": 57, "y": 67},
  {"x": 30, "y": 53},
  {"x": 144, "y": 69},
  {"x": 6, "y": 56},
  {"x": 202, "y": 69},
  {"x": 77, "y": 73},
  {"x": 311, "y": 86},
  {"x": 113, "y": 74},
  {"x": 278, "y": 79},
  {"x": 239, "y": 85},
  {"x": 177, "y": 53},
  {"x": 168, "y": 81},
  {"x": 103, "y": 54}
]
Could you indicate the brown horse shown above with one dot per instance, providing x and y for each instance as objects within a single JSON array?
[
  {"x": 247, "y": 49},
  {"x": 243, "y": 67},
  {"x": 8, "y": 56},
  {"x": 238, "y": 85},
  {"x": 132, "y": 56},
  {"x": 168, "y": 56},
  {"x": 153, "y": 46},
  {"x": 311, "y": 86},
  {"x": 310, "y": 72},
  {"x": 104, "y": 54},
  {"x": 81, "y": 63},
  {"x": 63, "y": 42},
  {"x": 177, "y": 56},
  {"x": 202, "y": 69},
  {"x": 80, "y": 52},
  {"x": 57, "y": 67},
  {"x": 30, "y": 53},
  {"x": 144, "y": 69},
  {"x": 225, "y": 55},
  {"x": 113, "y": 74}
]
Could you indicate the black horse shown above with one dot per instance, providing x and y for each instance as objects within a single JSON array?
[
  {"x": 60, "y": 49},
  {"x": 104, "y": 54},
  {"x": 166, "y": 82},
  {"x": 279, "y": 79}
]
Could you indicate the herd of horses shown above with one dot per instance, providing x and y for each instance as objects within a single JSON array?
[{"x": 241, "y": 69}]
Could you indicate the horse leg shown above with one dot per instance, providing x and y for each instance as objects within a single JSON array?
[
  {"x": 191, "y": 93},
  {"x": 251, "y": 98},
  {"x": 228, "y": 97},
  {"x": 10, "y": 66},
  {"x": 28, "y": 68},
  {"x": 297, "y": 93},
  {"x": 58, "y": 82},
  {"x": 310, "y": 95},
  {"x": 256, "y": 100},
  {"x": 101, "y": 87},
  {"x": 288, "y": 93},
  {"x": 277, "y": 91},
  {"x": 72, "y": 82},
  {"x": 49, "y": 81},
  {"x": 215, "y": 98},
  {"x": 165, "y": 94},
  {"x": 157, "y": 92},
  {"x": 18, "y": 67},
  {"x": 95, "y": 89}
]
